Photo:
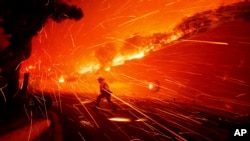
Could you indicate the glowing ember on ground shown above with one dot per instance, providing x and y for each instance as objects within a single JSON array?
[
  {"x": 141, "y": 120},
  {"x": 120, "y": 119},
  {"x": 150, "y": 86}
]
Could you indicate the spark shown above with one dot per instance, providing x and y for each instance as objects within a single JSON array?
[
  {"x": 245, "y": 43},
  {"x": 240, "y": 95},
  {"x": 155, "y": 130},
  {"x": 72, "y": 40},
  {"x": 86, "y": 123},
  {"x": 91, "y": 116},
  {"x": 138, "y": 18},
  {"x": 45, "y": 107},
  {"x": 139, "y": 111},
  {"x": 183, "y": 117},
  {"x": 120, "y": 119},
  {"x": 31, "y": 124},
  {"x": 2, "y": 92},
  {"x": 112, "y": 19},
  {"x": 172, "y": 3},
  {"x": 208, "y": 42},
  {"x": 19, "y": 64},
  {"x": 81, "y": 136},
  {"x": 122, "y": 8},
  {"x": 141, "y": 120}
]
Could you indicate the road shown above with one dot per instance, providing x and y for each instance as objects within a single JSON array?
[{"x": 143, "y": 119}]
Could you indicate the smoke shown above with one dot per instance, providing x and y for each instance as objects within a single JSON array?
[
  {"x": 201, "y": 22},
  {"x": 135, "y": 44},
  {"x": 106, "y": 53}
]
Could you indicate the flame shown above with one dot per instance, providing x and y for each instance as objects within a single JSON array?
[
  {"x": 150, "y": 86},
  {"x": 61, "y": 79},
  {"x": 120, "y": 59},
  {"x": 31, "y": 67},
  {"x": 90, "y": 68},
  {"x": 136, "y": 56},
  {"x": 107, "y": 69}
]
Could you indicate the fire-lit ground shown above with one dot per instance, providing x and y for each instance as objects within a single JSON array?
[
  {"x": 184, "y": 85},
  {"x": 203, "y": 92},
  {"x": 144, "y": 120}
]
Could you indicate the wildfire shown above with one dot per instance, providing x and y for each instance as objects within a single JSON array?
[
  {"x": 90, "y": 68},
  {"x": 136, "y": 56},
  {"x": 107, "y": 69},
  {"x": 136, "y": 52},
  {"x": 119, "y": 60},
  {"x": 61, "y": 79}
]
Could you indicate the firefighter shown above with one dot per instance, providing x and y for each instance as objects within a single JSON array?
[{"x": 105, "y": 92}]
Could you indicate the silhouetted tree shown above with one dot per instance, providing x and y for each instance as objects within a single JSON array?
[{"x": 21, "y": 20}]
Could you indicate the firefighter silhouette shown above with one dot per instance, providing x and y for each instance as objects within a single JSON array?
[{"x": 105, "y": 92}]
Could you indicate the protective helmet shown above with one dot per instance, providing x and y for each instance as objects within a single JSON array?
[{"x": 100, "y": 79}]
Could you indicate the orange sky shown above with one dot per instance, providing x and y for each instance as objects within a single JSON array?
[{"x": 105, "y": 21}]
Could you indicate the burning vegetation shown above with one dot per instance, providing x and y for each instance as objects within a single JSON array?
[{"x": 138, "y": 46}]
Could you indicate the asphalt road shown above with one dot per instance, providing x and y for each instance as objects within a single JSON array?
[{"x": 143, "y": 119}]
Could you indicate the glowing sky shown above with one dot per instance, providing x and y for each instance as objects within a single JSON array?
[{"x": 110, "y": 21}]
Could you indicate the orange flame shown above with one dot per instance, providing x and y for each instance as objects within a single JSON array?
[
  {"x": 136, "y": 56},
  {"x": 61, "y": 79},
  {"x": 150, "y": 86},
  {"x": 90, "y": 68}
]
